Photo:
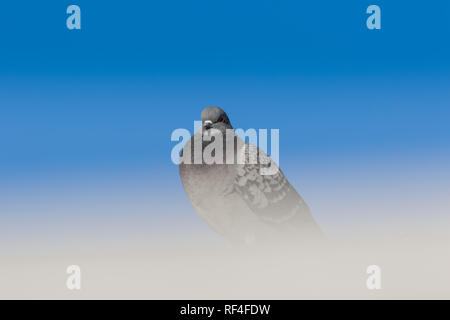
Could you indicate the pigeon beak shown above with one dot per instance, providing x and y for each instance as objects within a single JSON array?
[{"x": 207, "y": 124}]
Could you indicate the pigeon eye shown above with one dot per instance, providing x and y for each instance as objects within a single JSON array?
[{"x": 222, "y": 119}]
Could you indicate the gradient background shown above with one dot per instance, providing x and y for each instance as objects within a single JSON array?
[{"x": 86, "y": 115}]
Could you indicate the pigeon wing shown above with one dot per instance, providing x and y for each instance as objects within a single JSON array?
[{"x": 270, "y": 196}]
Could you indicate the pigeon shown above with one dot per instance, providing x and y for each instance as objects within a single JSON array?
[{"x": 234, "y": 195}]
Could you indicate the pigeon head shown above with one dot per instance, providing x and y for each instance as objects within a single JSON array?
[{"x": 215, "y": 118}]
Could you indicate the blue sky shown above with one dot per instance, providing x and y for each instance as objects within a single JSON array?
[
  {"x": 224, "y": 38},
  {"x": 106, "y": 98}
]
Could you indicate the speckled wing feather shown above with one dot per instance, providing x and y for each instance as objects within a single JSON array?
[{"x": 270, "y": 197}]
